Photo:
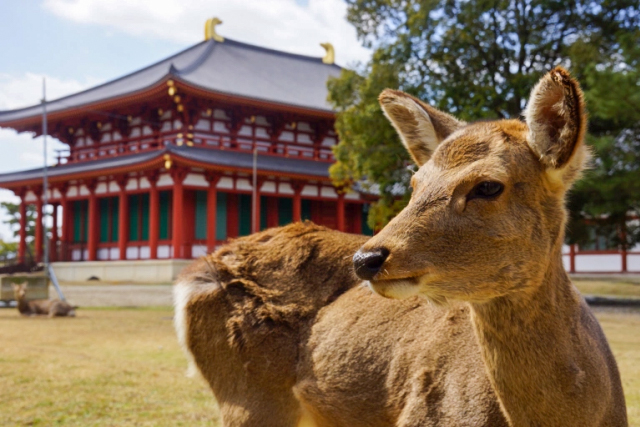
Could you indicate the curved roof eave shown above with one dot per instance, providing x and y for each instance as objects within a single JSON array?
[
  {"x": 164, "y": 68},
  {"x": 81, "y": 109},
  {"x": 196, "y": 64}
]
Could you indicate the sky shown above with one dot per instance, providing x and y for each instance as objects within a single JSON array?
[{"x": 77, "y": 44}]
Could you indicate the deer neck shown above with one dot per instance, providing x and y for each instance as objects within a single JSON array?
[
  {"x": 23, "y": 305},
  {"x": 526, "y": 344}
]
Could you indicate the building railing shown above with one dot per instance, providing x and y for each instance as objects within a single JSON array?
[{"x": 215, "y": 141}]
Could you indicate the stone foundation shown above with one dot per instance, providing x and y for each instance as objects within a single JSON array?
[{"x": 142, "y": 271}]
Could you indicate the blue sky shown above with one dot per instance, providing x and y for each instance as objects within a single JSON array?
[{"x": 76, "y": 44}]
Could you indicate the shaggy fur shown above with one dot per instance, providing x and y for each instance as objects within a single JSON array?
[
  {"x": 286, "y": 335},
  {"x": 544, "y": 352},
  {"x": 51, "y": 308}
]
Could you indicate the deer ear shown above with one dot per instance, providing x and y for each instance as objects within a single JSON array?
[
  {"x": 420, "y": 126},
  {"x": 557, "y": 121}
]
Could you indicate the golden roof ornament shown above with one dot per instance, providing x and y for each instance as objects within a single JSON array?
[
  {"x": 210, "y": 30},
  {"x": 330, "y": 56}
]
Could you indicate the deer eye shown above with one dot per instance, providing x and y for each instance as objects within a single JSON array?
[{"x": 486, "y": 190}]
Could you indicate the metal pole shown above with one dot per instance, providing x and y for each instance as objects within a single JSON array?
[
  {"x": 254, "y": 213},
  {"x": 48, "y": 271},
  {"x": 44, "y": 177}
]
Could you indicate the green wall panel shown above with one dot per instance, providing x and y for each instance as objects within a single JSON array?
[
  {"x": 306, "y": 210},
  {"x": 285, "y": 211},
  {"x": 244, "y": 213},
  {"x": 221, "y": 216},
  {"x": 80, "y": 220},
  {"x": 201, "y": 215},
  {"x": 144, "y": 212},
  {"x": 104, "y": 220},
  {"x": 165, "y": 206},
  {"x": 263, "y": 212},
  {"x": 134, "y": 212},
  {"x": 115, "y": 218}
]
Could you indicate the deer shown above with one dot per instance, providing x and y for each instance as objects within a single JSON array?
[
  {"x": 51, "y": 307},
  {"x": 458, "y": 312}
]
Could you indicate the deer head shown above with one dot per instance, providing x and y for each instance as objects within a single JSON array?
[
  {"x": 19, "y": 291},
  {"x": 486, "y": 217}
]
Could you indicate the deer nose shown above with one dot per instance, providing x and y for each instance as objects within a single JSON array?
[{"x": 368, "y": 264}]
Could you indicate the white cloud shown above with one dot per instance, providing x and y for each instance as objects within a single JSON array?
[
  {"x": 26, "y": 89},
  {"x": 22, "y": 151},
  {"x": 278, "y": 24}
]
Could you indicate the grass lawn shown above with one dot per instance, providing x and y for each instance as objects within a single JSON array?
[
  {"x": 111, "y": 367},
  {"x": 103, "y": 368},
  {"x": 611, "y": 288},
  {"x": 623, "y": 332}
]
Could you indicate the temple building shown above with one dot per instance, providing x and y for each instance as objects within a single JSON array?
[{"x": 162, "y": 164}]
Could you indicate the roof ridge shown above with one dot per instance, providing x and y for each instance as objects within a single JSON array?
[
  {"x": 197, "y": 63},
  {"x": 279, "y": 52}
]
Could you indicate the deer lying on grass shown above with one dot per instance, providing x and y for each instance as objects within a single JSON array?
[
  {"x": 278, "y": 326},
  {"x": 51, "y": 307}
]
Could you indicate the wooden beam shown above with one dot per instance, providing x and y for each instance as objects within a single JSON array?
[
  {"x": 94, "y": 221},
  {"x": 297, "y": 200},
  {"x": 178, "y": 238},
  {"x": 123, "y": 216},
  {"x": 154, "y": 215}
]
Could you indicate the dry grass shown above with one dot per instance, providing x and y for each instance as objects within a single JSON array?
[
  {"x": 112, "y": 367},
  {"x": 623, "y": 332},
  {"x": 103, "y": 368},
  {"x": 612, "y": 288}
]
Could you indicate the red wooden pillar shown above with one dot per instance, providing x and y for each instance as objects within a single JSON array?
[
  {"x": 233, "y": 224},
  {"x": 356, "y": 217},
  {"x": 272, "y": 212},
  {"x": 572, "y": 258},
  {"x": 154, "y": 216},
  {"x": 341, "y": 213},
  {"x": 53, "y": 244},
  {"x": 94, "y": 223},
  {"x": 22, "y": 246},
  {"x": 297, "y": 201},
  {"x": 212, "y": 210},
  {"x": 123, "y": 218},
  {"x": 177, "y": 227},
  {"x": 66, "y": 217},
  {"x": 39, "y": 230}
]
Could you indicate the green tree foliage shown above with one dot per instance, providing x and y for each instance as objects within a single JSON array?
[
  {"x": 479, "y": 60},
  {"x": 12, "y": 210}
]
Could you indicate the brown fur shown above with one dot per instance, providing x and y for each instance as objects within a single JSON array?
[
  {"x": 285, "y": 334},
  {"x": 51, "y": 308},
  {"x": 545, "y": 354},
  {"x": 280, "y": 327}
]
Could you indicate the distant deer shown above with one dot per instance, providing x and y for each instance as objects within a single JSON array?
[
  {"x": 51, "y": 308},
  {"x": 280, "y": 328}
]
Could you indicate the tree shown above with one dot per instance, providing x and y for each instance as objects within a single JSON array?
[
  {"x": 13, "y": 212},
  {"x": 477, "y": 60}
]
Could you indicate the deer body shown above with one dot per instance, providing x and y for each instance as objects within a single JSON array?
[
  {"x": 482, "y": 326},
  {"x": 485, "y": 225},
  {"x": 285, "y": 335},
  {"x": 51, "y": 308}
]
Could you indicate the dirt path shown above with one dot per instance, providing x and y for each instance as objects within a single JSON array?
[{"x": 116, "y": 295}]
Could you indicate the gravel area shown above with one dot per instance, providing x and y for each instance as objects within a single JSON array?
[{"x": 116, "y": 295}]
